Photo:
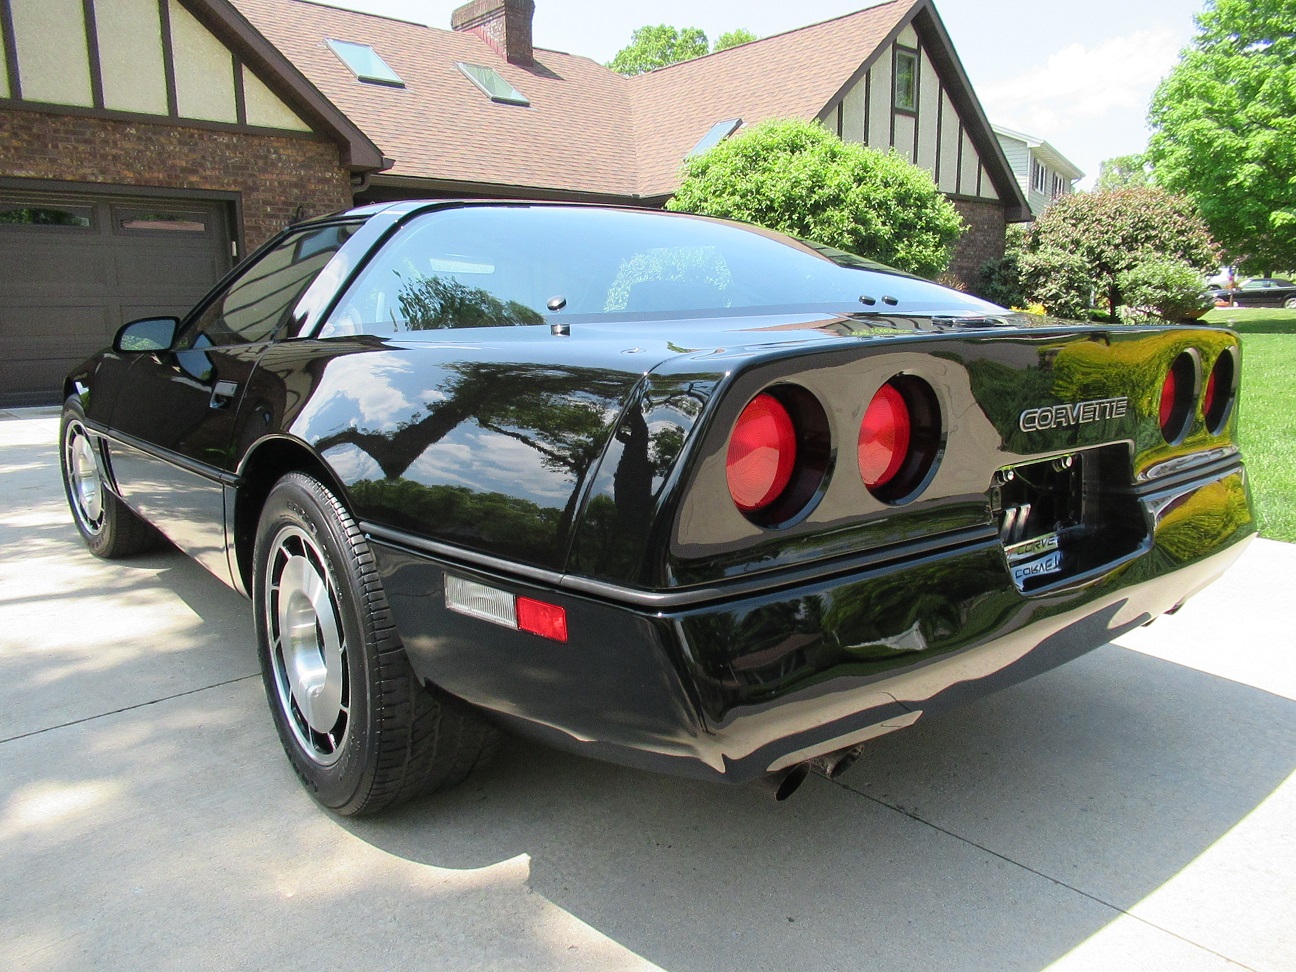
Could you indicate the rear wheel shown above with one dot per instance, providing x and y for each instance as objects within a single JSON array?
[
  {"x": 360, "y": 730},
  {"x": 108, "y": 526},
  {"x": 1290, "y": 303}
]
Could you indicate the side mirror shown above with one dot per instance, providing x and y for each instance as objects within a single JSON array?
[{"x": 146, "y": 334}]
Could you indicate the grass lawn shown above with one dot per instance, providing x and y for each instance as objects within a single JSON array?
[{"x": 1267, "y": 420}]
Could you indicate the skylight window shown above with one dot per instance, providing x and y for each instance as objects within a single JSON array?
[
  {"x": 718, "y": 133},
  {"x": 365, "y": 63},
  {"x": 492, "y": 85}
]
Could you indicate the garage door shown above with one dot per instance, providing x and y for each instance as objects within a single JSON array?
[{"x": 74, "y": 267}]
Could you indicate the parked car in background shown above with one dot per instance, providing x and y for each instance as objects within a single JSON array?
[
  {"x": 674, "y": 492},
  {"x": 1260, "y": 292}
]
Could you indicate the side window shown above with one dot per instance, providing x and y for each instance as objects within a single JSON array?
[
  {"x": 445, "y": 270},
  {"x": 261, "y": 301}
]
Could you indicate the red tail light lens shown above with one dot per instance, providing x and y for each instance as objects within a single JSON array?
[
  {"x": 1217, "y": 400},
  {"x": 1168, "y": 402},
  {"x": 884, "y": 437},
  {"x": 1178, "y": 392},
  {"x": 762, "y": 453}
]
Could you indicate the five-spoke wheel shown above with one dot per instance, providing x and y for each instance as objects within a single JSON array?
[{"x": 359, "y": 728}]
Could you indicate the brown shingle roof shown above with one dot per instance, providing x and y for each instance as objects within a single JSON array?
[
  {"x": 575, "y": 136},
  {"x": 587, "y": 130}
]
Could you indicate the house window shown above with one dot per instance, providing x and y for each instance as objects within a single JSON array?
[
  {"x": 1039, "y": 177},
  {"x": 365, "y": 63},
  {"x": 906, "y": 80},
  {"x": 718, "y": 133},
  {"x": 492, "y": 85},
  {"x": 19, "y": 214},
  {"x": 1059, "y": 186}
]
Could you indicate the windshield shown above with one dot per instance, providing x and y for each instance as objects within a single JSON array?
[{"x": 477, "y": 266}]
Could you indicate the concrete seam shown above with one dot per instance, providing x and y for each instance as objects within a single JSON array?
[{"x": 128, "y": 708}]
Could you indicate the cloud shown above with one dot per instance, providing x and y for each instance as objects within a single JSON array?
[{"x": 1081, "y": 85}]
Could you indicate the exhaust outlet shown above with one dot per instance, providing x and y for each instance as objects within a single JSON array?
[
  {"x": 784, "y": 783},
  {"x": 834, "y": 764}
]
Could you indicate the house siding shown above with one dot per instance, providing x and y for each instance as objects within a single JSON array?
[
  {"x": 278, "y": 179},
  {"x": 934, "y": 137}
]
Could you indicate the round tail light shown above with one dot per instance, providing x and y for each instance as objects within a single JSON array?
[
  {"x": 899, "y": 439},
  {"x": 884, "y": 437},
  {"x": 762, "y": 454},
  {"x": 1177, "y": 393},
  {"x": 1168, "y": 390},
  {"x": 1217, "y": 400}
]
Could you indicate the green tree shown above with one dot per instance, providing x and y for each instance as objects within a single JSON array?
[
  {"x": 1224, "y": 128},
  {"x": 1109, "y": 233},
  {"x": 795, "y": 177},
  {"x": 732, "y": 39},
  {"x": 1122, "y": 172},
  {"x": 654, "y": 47}
]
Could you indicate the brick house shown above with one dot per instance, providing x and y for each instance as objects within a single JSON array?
[{"x": 146, "y": 145}]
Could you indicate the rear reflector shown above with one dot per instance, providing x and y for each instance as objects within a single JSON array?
[
  {"x": 500, "y": 607},
  {"x": 545, "y": 620}
]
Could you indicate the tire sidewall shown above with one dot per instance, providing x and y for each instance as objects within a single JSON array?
[
  {"x": 345, "y": 783},
  {"x": 98, "y": 543}
]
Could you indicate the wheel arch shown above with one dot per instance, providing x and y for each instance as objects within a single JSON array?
[{"x": 264, "y": 465}]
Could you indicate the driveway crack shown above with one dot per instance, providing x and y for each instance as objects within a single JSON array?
[
  {"x": 1047, "y": 877},
  {"x": 128, "y": 708}
]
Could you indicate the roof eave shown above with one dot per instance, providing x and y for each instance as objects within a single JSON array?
[{"x": 503, "y": 190}]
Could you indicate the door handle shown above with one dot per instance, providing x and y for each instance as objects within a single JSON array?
[{"x": 223, "y": 393}]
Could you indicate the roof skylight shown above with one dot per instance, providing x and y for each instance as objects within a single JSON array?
[
  {"x": 365, "y": 63},
  {"x": 718, "y": 133},
  {"x": 492, "y": 85}
]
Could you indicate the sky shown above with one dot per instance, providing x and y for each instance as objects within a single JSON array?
[{"x": 1078, "y": 75}]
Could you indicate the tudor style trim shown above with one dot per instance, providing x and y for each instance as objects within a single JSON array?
[{"x": 359, "y": 153}]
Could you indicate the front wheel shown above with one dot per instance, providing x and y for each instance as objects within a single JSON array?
[
  {"x": 358, "y": 727},
  {"x": 108, "y": 526},
  {"x": 1290, "y": 303}
]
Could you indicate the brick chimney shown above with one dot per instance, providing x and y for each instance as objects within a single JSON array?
[{"x": 504, "y": 24}]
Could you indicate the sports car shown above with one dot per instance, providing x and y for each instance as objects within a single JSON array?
[{"x": 678, "y": 493}]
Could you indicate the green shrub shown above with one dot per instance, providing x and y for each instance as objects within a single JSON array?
[
  {"x": 795, "y": 177},
  {"x": 1166, "y": 288},
  {"x": 1059, "y": 280}
]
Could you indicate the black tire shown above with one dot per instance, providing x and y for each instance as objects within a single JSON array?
[
  {"x": 109, "y": 527},
  {"x": 1290, "y": 303},
  {"x": 370, "y": 735}
]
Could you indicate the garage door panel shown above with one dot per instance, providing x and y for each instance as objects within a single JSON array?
[
  {"x": 183, "y": 276},
  {"x": 33, "y": 382},
  {"x": 54, "y": 332},
  {"x": 40, "y": 267}
]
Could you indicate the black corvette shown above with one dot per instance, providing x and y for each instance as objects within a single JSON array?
[{"x": 677, "y": 493}]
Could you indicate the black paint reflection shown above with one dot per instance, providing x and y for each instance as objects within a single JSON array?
[{"x": 563, "y": 416}]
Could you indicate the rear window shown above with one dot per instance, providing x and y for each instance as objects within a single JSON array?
[{"x": 518, "y": 265}]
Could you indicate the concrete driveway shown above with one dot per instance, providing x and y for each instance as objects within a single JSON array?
[{"x": 1132, "y": 810}]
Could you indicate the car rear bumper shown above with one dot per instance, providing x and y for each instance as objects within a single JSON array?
[{"x": 738, "y": 687}]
